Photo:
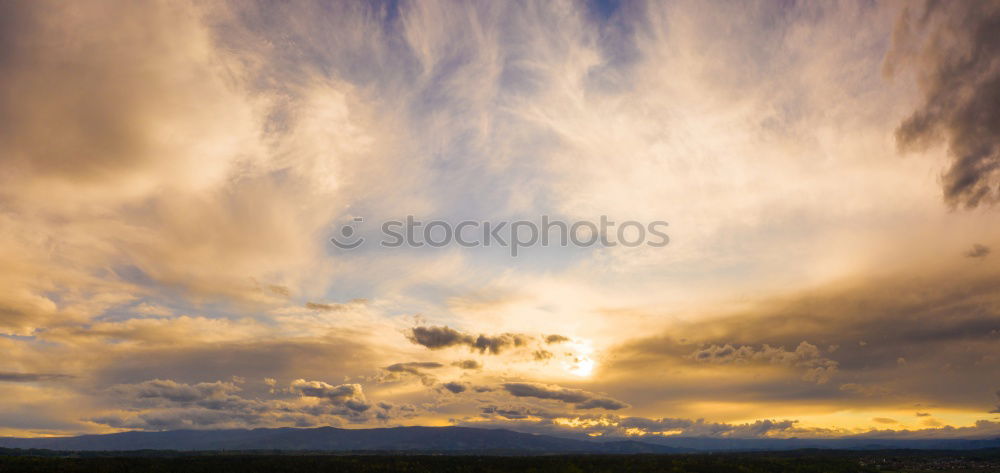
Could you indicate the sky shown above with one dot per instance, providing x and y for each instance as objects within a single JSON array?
[{"x": 172, "y": 173}]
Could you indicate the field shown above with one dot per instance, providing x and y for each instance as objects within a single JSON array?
[{"x": 812, "y": 461}]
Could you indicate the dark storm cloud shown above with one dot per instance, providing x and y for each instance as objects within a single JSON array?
[
  {"x": 31, "y": 377},
  {"x": 954, "y": 48},
  {"x": 581, "y": 399},
  {"x": 978, "y": 251},
  {"x": 442, "y": 337}
]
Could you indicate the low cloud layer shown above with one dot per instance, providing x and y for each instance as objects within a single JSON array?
[
  {"x": 805, "y": 356},
  {"x": 610, "y": 426},
  {"x": 166, "y": 404},
  {"x": 868, "y": 345}
]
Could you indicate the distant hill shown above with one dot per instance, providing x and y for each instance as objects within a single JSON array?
[
  {"x": 329, "y": 439},
  {"x": 453, "y": 440}
]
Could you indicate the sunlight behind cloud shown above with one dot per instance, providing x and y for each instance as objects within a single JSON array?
[{"x": 580, "y": 361}]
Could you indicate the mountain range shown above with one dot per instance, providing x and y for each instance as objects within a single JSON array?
[
  {"x": 329, "y": 439},
  {"x": 448, "y": 440}
]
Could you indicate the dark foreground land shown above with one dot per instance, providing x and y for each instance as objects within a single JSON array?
[{"x": 803, "y": 461}]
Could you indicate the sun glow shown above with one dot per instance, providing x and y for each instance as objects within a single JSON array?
[
  {"x": 581, "y": 364},
  {"x": 583, "y": 367}
]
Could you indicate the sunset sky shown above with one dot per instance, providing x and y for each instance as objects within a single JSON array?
[{"x": 171, "y": 174}]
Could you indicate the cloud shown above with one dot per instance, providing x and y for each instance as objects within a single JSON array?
[
  {"x": 498, "y": 343},
  {"x": 885, "y": 420},
  {"x": 349, "y": 396},
  {"x": 169, "y": 147},
  {"x": 542, "y": 355},
  {"x": 519, "y": 412},
  {"x": 324, "y": 307},
  {"x": 168, "y": 185},
  {"x": 556, "y": 339},
  {"x": 413, "y": 368},
  {"x": 610, "y": 426},
  {"x": 118, "y": 94},
  {"x": 805, "y": 355},
  {"x": 185, "y": 355},
  {"x": 953, "y": 48},
  {"x": 980, "y": 429},
  {"x": 468, "y": 364},
  {"x": 944, "y": 322},
  {"x": 168, "y": 393},
  {"x": 441, "y": 337},
  {"x": 455, "y": 387},
  {"x": 581, "y": 399},
  {"x": 176, "y": 392},
  {"x": 602, "y": 403},
  {"x": 167, "y": 404},
  {"x": 978, "y": 251},
  {"x": 161, "y": 404},
  {"x": 31, "y": 377},
  {"x": 438, "y": 337}
]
